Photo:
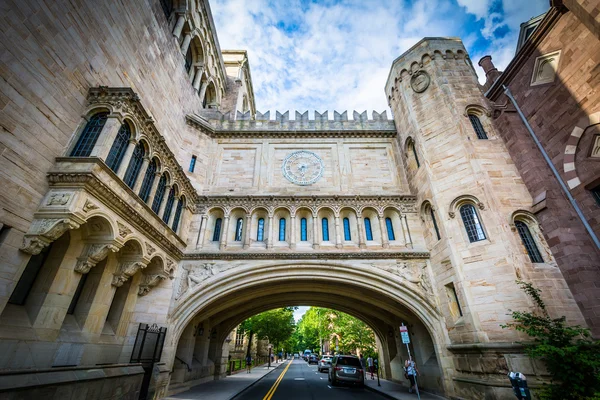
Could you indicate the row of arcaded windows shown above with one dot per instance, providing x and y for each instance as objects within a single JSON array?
[
  {"x": 260, "y": 234},
  {"x": 115, "y": 158}
]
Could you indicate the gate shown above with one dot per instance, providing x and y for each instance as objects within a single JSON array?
[{"x": 147, "y": 350}]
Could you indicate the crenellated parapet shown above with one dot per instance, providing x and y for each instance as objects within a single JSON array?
[{"x": 220, "y": 125}]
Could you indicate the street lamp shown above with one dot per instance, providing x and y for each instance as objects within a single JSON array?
[{"x": 270, "y": 346}]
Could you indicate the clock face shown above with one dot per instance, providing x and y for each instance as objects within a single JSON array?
[{"x": 302, "y": 167}]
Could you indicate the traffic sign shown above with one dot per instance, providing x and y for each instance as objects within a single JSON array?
[{"x": 404, "y": 334}]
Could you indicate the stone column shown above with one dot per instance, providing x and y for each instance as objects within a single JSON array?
[
  {"x": 316, "y": 241},
  {"x": 270, "y": 239},
  {"x": 407, "y": 240},
  {"x": 246, "y": 237},
  {"x": 203, "y": 90},
  {"x": 107, "y": 137},
  {"x": 126, "y": 159},
  {"x": 338, "y": 233},
  {"x": 187, "y": 39},
  {"x": 153, "y": 189},
  {"x": 385, "y": 240},
  {"x": 361, "y": 232},
  {"x": 224, "y": 232},
  {"x": 202, "y": 233},
  {"x": 293, "y": 232},
  {"x": 161, "y": 210},
  {"x": 172, "y": 216},
  {"x": 179, "y": 25},
  {"x": 140, "y": 180},
  {"x": 198, "y": 77}
]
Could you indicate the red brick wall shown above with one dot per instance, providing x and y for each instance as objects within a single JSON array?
[{"x": 553, "y": 110}]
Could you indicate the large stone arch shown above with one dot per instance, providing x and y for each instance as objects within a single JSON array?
[{"x": 379, "y": 292}]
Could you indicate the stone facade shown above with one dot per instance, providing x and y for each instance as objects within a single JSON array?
[{"x": 142, "y": 186}]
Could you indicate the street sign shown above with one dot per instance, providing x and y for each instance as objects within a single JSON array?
[{"x": 404, "y": 334}]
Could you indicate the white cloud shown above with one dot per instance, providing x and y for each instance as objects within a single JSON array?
[{"x": 336, "y": 55}]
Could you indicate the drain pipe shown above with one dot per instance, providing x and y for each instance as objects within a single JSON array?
[{"x": 554, "y": 171}]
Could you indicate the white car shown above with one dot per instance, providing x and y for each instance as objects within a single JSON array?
[{"x": 324, "y": 364}]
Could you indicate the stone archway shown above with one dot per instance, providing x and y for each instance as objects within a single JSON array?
[{"x": 214, "y": 297}]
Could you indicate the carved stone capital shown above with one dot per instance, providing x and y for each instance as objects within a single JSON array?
[
  {"x": 34, "y": 244},
  {"x": 125, "y": 271},
  {"x": 123, "y": 230},
  {"x": 148, "y": 282},
  {"x": 92, "y": 254},
  {"x": 44, "y": 231}
]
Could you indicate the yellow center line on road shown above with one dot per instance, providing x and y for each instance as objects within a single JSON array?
[{"x": 276, "y": 384}]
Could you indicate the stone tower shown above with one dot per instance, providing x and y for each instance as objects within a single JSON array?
[{"x": 474, "y": 205}]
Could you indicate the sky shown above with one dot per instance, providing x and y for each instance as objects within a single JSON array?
[
  {"x": 299, "y": 312},
  {"x": 336, "y": 54}
]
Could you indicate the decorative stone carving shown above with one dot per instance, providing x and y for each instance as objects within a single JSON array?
[
  {"x": 150, "y": 248},
  {"x": 414, "y": 273},
  {"x": 194, "y": 275},
  {"x": 89, "y": 206},
  {"x": 125, "y": 271},
  {"x": 148, "y": 282},
  {"x": 123, "y": 230},
  {"x": 419, "y": 82},
  {"x": 92, "y": 255},
  {"x": 44, "y": 231},
  {"x": 451, "y": 214},
  {"x": 58, "y": 199}
]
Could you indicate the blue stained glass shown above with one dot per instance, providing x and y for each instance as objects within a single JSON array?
[
  {"x": 368, "y": 230},
  {"x": 325, "y": 227},
  {"x": 347, "y": 235},
  {"x": 192, "y": 164},
  {"x": 390, "y": 229},
  {"x": 260, "y": 234},
  {"x": 303, "y": 232},
  {"x": 238, "y": 230},
  {"x": 217, "y": 231},
  {"x": 282, "y": 230}
]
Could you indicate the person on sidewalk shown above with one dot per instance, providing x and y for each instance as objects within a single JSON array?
[
  {"x": 248, "y": 364},
  {"x": 371, "y": 366},
  {"x": 411, "y": 373}
]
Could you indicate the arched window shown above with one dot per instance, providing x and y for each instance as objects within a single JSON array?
[
  {"x": 178, "y": 210},
  {"x": 282, "y": 229},
  {"x": 325, "y": 229},
  {"x": 347, "y": 235},
  {"x": 477, "y": 127},
  {"x": 239, "y": 225},
  {"x": 434, "y": 222},
  {"x": 160, "y": 193},
  {"x": 260, "y": 232},
  {"x": 532, "y": 250},
  {"x": 368, "y": 230},
  {"x": 390, "y": 229},
  {"x": 169, "y": 205},
  {"x": 133, "y": 169},
  {"x": 119, "y": 146},
  {"x": 414, "y": 151},
  {"x": 303, "y": 232},
  {"x": 148, "y": 181},
  {"x": 89, "y": 135},
  {"x": 217, "y": 231},
  {"x": 188, "y": 59},
  {"x": 472, "y": 224}
]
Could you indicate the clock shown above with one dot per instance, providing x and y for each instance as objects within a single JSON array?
[{"x": 302, "y": 167}]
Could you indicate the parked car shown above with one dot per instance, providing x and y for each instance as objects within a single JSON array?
[
  {"x": 313, "y": 359},
  {"x": 324, "y": 364},
  {"x": 346, "y": 369}
]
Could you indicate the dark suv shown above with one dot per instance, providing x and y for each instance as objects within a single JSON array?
[
  {"x": 313, "y": 359},
  {"x": 346, "y": 369}
]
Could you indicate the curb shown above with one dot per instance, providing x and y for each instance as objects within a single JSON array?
[
  {"x": 379, "y": 392},
  {"x": 254, "y": 383}
]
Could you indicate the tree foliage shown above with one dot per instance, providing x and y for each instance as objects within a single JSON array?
[
  {"x": 276, "y": 325},
  {"x": 571, "y": 356},
  {"x": 320, "y": 324}
]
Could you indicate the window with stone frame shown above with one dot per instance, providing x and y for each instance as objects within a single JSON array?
[
  {"x": 239, "y": 226},
  {"x": 596, "y": 194},
  {"x": 472, "y": 223},
  {"x": 477, "y": 127},
  {"x": 89, "y": 135},
  {"x": 160, "y": 193},
  {"x": 282, "y": 229},
  {"x": 119, "y": 147},
  {"x": 347, "y": 233},
  {"x": 529, "y": 242},
  {"x": 260, "y": 231},
  {"x": 239, "y": 338},
  {"x": 368, "y": 230},
  {"x": 413, "y": 157},
  {"x": 217, "y": 232},
  {"x": 135, "y": 165},
  {"x": 453, "y": 303},
  {"x": 325, "y": 229},
  {"x": 148, "y": 181},
  {"x": 303, "y": 230}
]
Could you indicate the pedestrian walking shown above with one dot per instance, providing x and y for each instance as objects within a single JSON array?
[
  {"x": 371, "y": 366},
  {"x": 248, "y": 364},
  {"x": 363, "y": 364},
  {"x": 411, "y": 374}
]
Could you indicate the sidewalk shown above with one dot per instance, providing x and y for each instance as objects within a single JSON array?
[
  {"x": 226, "y": 388},
  {"x": 394, "y": 390}
]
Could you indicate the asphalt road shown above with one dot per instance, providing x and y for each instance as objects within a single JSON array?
[{"x": 302, "y": 382}]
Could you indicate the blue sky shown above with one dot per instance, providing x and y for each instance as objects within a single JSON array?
[{"x": 336, "y": 54}]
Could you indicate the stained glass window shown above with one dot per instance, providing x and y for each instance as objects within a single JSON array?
[
  {"x": 282, "y": 229},
  {"x": 347, "y": 235},
  {"x": 239, "y": 225},
  {"x": 303, "y": 232},
  {"x": 169, "y": 205},
  {"x": 178, "y": 210},
  {"x": 119, "y": 146},
  {"x": 133, "y": 169},
  {"x": 325, "y": 229},
  {"x": 477, "y": 127},
  {"x": 217, "y": 231},
  {"x": 148, "y": 181},
  {"x": 260, "y": 233},
  {"x": 368, "y": 230},
  {"x": 532, "y": 250},
  {"x": 87, "y": 140},
  {"x": 390, "y": 229},
  {"x": 160, "y": 193},
  {"x": 192, "y": 164},
  {"x": 472, "y": 224}
]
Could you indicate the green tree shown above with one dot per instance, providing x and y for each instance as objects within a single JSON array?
[
  {"x": 277, "y": 325},
  {"x": 571, "y": 356}
]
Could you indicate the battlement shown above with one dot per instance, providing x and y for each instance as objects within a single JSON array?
[{"x": 223, "y": 125}]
